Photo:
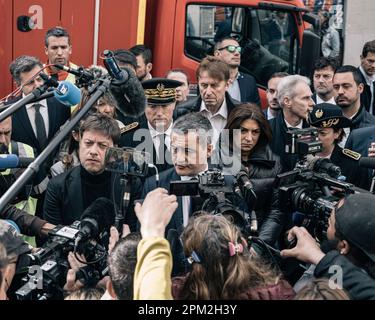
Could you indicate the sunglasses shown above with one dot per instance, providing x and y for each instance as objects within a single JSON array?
[{"x": 232, "y": 48}]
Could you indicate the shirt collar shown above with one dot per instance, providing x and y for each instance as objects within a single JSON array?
[
  {"x": 223, "y": 111},
  {"x": 320, "y": 100},
  {"x": 299, "y": 126},
  {"x": 186, "y": 178},
  {"x": 368, "y": 79},
  {"x": 155, "y": 133},
  {"x": 43, "y": 103}
]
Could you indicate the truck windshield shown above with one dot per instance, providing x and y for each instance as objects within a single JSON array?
[{"x": 268, "y": 38}]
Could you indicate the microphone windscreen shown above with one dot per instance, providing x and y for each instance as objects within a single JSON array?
[
  {"x": 367, "y": 162},
  {"x": 131, "y": 89},
  {"x": 67, "y": 93},
  {"x": 8, "y": 161},
  {"x": 102, "y": 211}
]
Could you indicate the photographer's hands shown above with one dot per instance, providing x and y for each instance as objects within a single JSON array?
[
  {"x": 71, "y": 283},
  {"x": 155, "y": 212},
  {"x": 306, "y": 249}
]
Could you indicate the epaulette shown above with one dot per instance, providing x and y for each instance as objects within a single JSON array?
[
  {"x": 129, "y": 127},
  {"x": 351, "y": 154}
]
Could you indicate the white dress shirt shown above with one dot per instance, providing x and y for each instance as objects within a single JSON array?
[
  {"x": 155, "y": 137},
  {"x": 299, "y": 126},
  {"x": 43, "y": 111},
  {"x": 234, "y": 89},
  {"x": 218, "y": 120},
  {"x": 319, "y": 100},
  {"x": 186, "y": 200}
]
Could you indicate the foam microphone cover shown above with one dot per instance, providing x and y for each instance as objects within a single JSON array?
[
  {"x": 102, "y": 211},
  {"x": 8, "y": 161},
  {"x": 367, "y": 162},
  {"x": 67, "y": 93},
  {"x": 129, "y": 94}
]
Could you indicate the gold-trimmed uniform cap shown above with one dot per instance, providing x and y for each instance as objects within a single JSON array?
[
  {"x": 327, "y": 115},
  {"x": 160, "y": 91}
]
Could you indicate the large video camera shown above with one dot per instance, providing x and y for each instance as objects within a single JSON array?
[
  {"x": 313, "y": 188},
  {"x": 215, "y": 193},
  {"x": 44, "y": 272}
]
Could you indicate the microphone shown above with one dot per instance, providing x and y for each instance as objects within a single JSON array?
[
  {"x": 112, "y": 66},
  {"x": 246, "y": 188},
  {"x": 9, "y": 161},
  {"x": 67, "y": 93},
  {"x": 98, "y": 217},
  {"x": 82, "y": 73},
  {"x": 129, "y": 94},
  {"x": 367, "y": 162}
]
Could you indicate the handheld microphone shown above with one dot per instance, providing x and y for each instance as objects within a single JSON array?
[
  {"x": 48, "y": 80},
  {"x": 80, "y": 72},
  {"x": 98, "y": 217},
  {"x": 367, "y": 162},
  {"x": 67, "y": 93},
  {"x": 9, "y": 161},
  {"x": 246, "y": 188}
]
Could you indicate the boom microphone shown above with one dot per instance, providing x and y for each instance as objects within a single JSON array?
[
  {"x": 81, "y": 73},
  {"x": 247, "y": 188},
  {"x": 98, "y": 217},
  {"x": 9, "y": 161},
  {"x": 367, "y": 162},
  {"x": 129, "y": 94}
]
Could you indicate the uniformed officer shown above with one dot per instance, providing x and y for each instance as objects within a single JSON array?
[
  {"x": 151, "y": 132},
  {"x": 330, "y": 121}
]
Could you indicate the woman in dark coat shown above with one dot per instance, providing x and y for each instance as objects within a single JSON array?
[{"x": 244, "y": 146}]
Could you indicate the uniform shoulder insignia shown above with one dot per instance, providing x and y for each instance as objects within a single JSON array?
[
  {"x": 351, "y": 154},
  {"x": 129, "y": 127}
]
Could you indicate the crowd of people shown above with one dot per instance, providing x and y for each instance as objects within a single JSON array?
[{"x": 170, "y": 245}]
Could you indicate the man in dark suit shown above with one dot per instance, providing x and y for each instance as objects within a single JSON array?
[
  {"x": 362, "y": 141},
  {"x": 153, "y": 133},
  {"x": 214, "y": 101},
  {"x": 70, "y": 193},
  {"x": 191, "y": 148},
  {"x": 243, "y": 87},
  {"x": 367, "y": 73},
  {"x": 294, "y": 96},
  {"x": 35, "y": 124},
  {"x": 348, "y": 87}
]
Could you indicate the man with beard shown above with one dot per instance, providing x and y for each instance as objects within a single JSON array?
[
  {"x": 348, "y": 87},
  {"x": 242, "y": 86},
  {"x": 347, "y": 257},
  {"x": 271, "y": 94},
  {"x": 324, "y": 70}
]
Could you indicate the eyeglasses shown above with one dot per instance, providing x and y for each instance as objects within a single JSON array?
[{"x": 232, "y": 48}]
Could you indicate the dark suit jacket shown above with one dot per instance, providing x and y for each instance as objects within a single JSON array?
[
  {"x": 248, "y": 88},
  {"x": 128, "y": 140},
  {"x": 366, "y": 94},
  {"x": 194, "y": 105},
  {"x": 278, "y": 142},
  {"x": 22, "y": 130},
  {"x": 64, "y": 200},
  {"x": 360, "y": 140}
]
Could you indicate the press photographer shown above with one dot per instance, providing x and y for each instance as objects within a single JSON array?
[{"x": 350, "y": 247}]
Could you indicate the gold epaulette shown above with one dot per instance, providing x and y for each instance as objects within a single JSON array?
[
  {"x": 351, "y": 154},
  {"x": 129, "y": 127}
]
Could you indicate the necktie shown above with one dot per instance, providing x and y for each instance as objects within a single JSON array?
[
  {"x": 40, "y": 127},
  {"x": 163, "y": 153}
]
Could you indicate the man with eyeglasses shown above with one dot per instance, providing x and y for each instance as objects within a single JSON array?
[{"x": 242, "y": 87}]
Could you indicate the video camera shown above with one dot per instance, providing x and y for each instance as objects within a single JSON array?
[
  {"x": 47, "y": 268},
  {"x": 43, "y": 273},
  {"x": 313, "y": 188},
  {"x": 215, "y": 192}
]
